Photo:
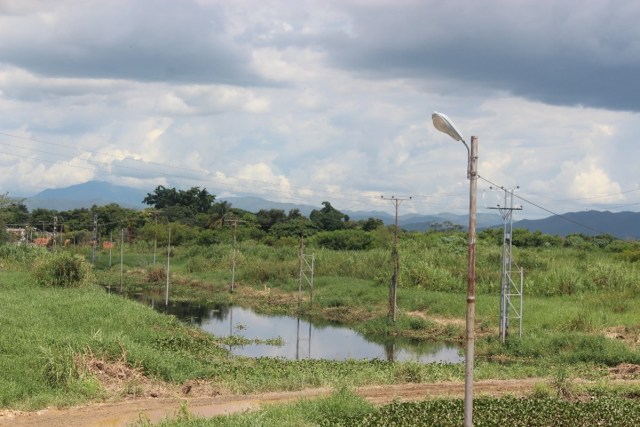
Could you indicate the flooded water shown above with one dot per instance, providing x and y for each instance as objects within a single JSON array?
[{"x": 300, "y": 338}]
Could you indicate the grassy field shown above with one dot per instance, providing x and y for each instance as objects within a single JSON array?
[{"x": 579, "y": 321}]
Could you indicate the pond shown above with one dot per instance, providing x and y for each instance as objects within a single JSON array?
[{"x": 299, "y": 338}]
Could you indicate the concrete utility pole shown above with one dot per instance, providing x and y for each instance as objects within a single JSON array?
[
  {"x": 393, "y": 287},
  {"x": 234, "y": 223},
  {"x": 445, "y": 125},
  {"x": 471, "y": 284}
]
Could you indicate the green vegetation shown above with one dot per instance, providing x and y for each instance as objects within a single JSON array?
[
  {"x": 344, "y": 408},
  {"x": 58, "y": 324},
  {"x": 527, "y": 412},
  {"x": 64, "y": 270},
  {"x": 50, "y": 334}
]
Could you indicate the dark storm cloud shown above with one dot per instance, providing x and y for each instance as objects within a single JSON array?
[
  {"x": 563, "y": 53},
  {"x": 143, "y": 40}
]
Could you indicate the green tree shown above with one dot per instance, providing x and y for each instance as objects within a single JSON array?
[
  {"x": 297, "y": 227},
  {"x": 294, "y": 214},
  {"x": 195, "y": 200},
  {"x": 370, "y": 224},
  {"x": 42, "y": 219},
  {"x": 16, "y": 213},
  {"x": 4, "y": 202},
  {"x": 113, "y": 217},
  {"x": 351, "y": 240},
  {"x": 76, "y": 219},
  {"x": 328, "y": 218},
  {"x": 218, "y": 212},
  {"x": 267, "y": 218},
  {"x": 180, "y": 205}
]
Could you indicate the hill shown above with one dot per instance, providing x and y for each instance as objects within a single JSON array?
[
  {"x": 102, "y": 193},
  {"x": 86, "y": 195},
  {"x": 623, "y": 225}
]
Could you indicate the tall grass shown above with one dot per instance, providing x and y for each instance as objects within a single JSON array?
[
  {"x": 431, "y": 262},
  {"x": 571, "y": 298}
]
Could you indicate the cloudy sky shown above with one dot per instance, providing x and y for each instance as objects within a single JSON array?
[{"x": 306, "y": 101}]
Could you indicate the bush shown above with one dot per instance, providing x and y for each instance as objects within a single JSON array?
[
  {"x": 156, "y": 274},
  {"x": 63, "y": 270},
  {"x": 341, "y": 240}
]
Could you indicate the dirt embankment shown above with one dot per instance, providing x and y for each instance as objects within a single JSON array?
[
  {"x": 158, "y": 400},
  {"x": 156, "y": 409}
]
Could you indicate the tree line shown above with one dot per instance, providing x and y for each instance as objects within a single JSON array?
[{"x": 195, "y": 216}]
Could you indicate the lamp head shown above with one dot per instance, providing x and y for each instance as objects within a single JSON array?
[{"x": 444, "y": 124}]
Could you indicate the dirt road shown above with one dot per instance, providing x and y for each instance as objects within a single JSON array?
[{"x": 125, "y": 412}]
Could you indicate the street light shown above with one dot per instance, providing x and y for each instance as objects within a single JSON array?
[{"x": 444, "y": 124}]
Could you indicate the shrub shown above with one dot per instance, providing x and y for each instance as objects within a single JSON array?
[
  {"x": 353, "y": 240},
  {"x": 63, "y": 270},
  {"x": 156, "y": 274},
  {"x": 198, "y": 264}
]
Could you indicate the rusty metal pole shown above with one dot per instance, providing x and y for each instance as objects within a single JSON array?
[
  {"x": 471, "y": 285},
  {"x": 393, "y": 285},
  {"x": 233, "y": 268},
  {"x": 394, "y": 279}
]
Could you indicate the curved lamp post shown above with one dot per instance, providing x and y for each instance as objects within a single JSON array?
[{"x": 444, "y": 124}]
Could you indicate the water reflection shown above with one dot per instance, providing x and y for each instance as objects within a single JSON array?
[{"x": 302, "y": 339}]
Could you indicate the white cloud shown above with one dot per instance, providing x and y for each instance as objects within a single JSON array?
[
  {"x": 310, "y": 101},
  {"x": 591, "y": 181}
]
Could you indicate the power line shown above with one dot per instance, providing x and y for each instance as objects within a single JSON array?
[
  {"x": 548, "y": 210},
  {"x": 604, "y": 196}
]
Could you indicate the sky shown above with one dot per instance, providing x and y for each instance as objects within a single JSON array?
[{"x": 310, "y": 101}]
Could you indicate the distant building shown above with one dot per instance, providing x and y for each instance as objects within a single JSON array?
[{"x": 17, "y": 234}]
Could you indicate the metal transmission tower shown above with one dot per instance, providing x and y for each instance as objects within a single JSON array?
[
  {"x": 393, "y": 288},
  {"x": 307, "y": 264},
  {"x": 55, "y": 227},
  {"x": 508, "y": 288}
]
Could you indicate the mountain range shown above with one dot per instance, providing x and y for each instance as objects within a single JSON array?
[
  {"x": 623, "y": 225},
  {"x": 101, "y": 193}
]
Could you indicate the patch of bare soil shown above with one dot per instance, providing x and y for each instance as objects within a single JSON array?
[
  {"x": 626, "y": 371},
  {"x": 266, "y": 294},
  {"x": 117, "y": 378},
  {"x": 440, "y": 320},
  {"x": 120, "y": 381},
  {"x": 622, "y": 333}
]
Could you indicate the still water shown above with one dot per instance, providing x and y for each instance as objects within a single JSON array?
[{"x": 301, "y": 339}]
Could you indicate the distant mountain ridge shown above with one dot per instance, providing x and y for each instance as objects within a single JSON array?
[
  {"x": 412, "y": 222},
  {"x": 623, "y": 225},
  {"x": 101, "y": 193},
  {"x": 86, "y": 195}
]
